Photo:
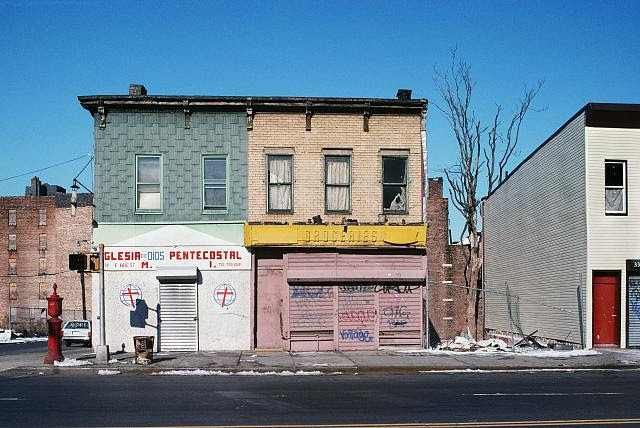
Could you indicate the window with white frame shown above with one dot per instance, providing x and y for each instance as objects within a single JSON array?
[
  {"x": 148, "y": 183},
  {"x": 12, "y": 217},
  {"x": 43, "y": 218},
  {"x": 394, "y": 184},
  {"x": 337, "y": 195},
  {"x": 280, "y": 175},
  {"x": 214, "y": 184},
  {"x": 615, "y": 193}
]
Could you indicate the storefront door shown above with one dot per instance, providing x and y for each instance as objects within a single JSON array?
[
  {"x": 178, "y": 317},
  {"x": 606, "y": 309}
]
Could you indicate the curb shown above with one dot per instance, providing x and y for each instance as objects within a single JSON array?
[{"x": 134, "y": 370}]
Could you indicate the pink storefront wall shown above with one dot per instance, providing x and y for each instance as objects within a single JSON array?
[{"x": 331, "y": 301}]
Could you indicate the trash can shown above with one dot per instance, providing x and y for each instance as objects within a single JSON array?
[{"x": 144, "y": 349}]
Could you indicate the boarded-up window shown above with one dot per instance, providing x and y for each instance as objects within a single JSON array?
[
  {"x": 43, "y": 241},
  {"x": 13, "y": 291},
  {"x": 12, "y": 267},
  {"x": 43, "y": 217},
  {"x": 43, "y": 291},
  {"x": 43, "y": 266},
  {"x": 12, "y": 217},
  {"x": 12, "y": 242}
]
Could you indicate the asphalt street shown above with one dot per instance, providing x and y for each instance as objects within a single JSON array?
[
  {"x": 23, "y": 348},
  {"x": 82, "y": 398}
]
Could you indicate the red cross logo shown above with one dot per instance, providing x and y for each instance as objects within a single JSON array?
[
  {"x": 127, "y": 294},
  {"x": 224, "y": 294}
]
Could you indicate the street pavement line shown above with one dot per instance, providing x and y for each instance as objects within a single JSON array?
[
  {"x": 510, "y": 394},
  {"x": 560, "y": 422}
]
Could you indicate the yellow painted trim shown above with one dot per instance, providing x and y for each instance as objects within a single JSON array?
[{"x": 331, "y": 235}]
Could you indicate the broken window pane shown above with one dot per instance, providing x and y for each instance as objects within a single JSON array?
[
  {"x": 394, "y": 184},
  {"x": 394, "y": 170}
]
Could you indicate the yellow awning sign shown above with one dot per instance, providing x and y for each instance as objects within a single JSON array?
[{"x": 334, "y": 235}]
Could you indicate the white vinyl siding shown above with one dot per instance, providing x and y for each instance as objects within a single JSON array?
[
  {"x": 536, "y": 241},
  {"x": 612, "y": 238}
]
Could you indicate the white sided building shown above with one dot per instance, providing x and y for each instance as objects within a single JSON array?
[
  {"x": 188, "y": 286},
  {"x": 562, "y": 234}
]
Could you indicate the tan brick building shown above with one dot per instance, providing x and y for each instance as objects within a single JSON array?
[
  {"x": 336, "y": 226},
  {"x": 335, "y": 135},
  {"x": 38, "y": 233}
]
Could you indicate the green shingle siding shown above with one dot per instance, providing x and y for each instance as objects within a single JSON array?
[{"x": 134, "y": 132}]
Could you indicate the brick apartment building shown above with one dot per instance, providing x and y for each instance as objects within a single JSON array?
[{"x": 38, "y": 233}]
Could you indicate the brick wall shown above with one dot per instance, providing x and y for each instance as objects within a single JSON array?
[
  {"x": 62, "y": 234},
  {"x": 285, "y": 133},
  {"x": 445, "y": 264}
]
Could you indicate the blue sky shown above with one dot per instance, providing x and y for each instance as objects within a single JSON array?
[{"x": 53, "y": 51}]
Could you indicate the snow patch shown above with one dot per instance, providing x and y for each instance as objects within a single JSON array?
[
  {"x": 201, "y": 372},
  {"x": 558, "y": 354},
  {"x": 108, "y": 372},
  {"x": 71, "y": 363}
]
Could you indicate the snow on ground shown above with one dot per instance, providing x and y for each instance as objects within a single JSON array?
[
  {"x": 108, "y": 372},
  {"x": 24, "y": 339},
  {"x": 201, "y": 372},
  {"x": 70, "y": 362},
  {"x": 519, "y": 352}
]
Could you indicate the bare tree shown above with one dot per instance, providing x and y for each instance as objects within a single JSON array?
[{"x": 480, "y": 147}]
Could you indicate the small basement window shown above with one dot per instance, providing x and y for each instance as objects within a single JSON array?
[{"x": 615, "y": 194}]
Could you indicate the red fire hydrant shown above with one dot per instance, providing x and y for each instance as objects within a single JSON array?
[{"x": 55, "y": 330}]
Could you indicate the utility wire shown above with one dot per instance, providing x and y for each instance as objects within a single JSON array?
[
  {"x": 42, "y": 169},
  {"x": 83, "y": 168}
]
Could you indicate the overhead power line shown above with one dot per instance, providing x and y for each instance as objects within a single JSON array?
[{"x": 42, "y": 169}]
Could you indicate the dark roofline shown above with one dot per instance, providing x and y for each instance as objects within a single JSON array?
[
  {"x": 601, "y": 115},
  {"x": 240, "y": 103}
]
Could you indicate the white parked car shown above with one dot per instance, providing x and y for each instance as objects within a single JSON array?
[{"x": 77, "y": 331}]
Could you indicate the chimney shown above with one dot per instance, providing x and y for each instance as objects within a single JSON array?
[
  {"x": 136, "y": 90},
  {"x": 404, "y": 94},
  {"x": 35, "y": 186}
]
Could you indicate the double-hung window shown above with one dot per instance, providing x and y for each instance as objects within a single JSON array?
[
  {"x": 394, "y": 184},
  {"x": 214, "y": 184},
  {"x": 148, "y": 183},
  {"x": 280, "y": 183},
  {"x": 337, "y": 179},
  {"x": 615, "y": 192}
]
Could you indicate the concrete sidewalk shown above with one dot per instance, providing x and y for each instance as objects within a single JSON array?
[{"x": 361, "y": 362}]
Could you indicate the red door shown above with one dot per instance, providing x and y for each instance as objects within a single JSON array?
[{"x": 606, "y": 310}]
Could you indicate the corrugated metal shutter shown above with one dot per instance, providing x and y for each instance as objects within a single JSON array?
[
  {"x": 179, "y": 312},
  {"x": 311, "y": 317},
  {"x": 400, "y": 315},
  {"x": 633, "y": 310},
  {"x": 357, "y": 318}
]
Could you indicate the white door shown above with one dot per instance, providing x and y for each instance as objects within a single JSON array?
[{"x": 178, "y": 317}]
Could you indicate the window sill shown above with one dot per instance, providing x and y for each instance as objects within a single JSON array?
[
  {"x": 615, "y": 214},
  {"x": 148, "y": 212},
  {"x": 395, "y": 212},
  {"x": 338, "y": 212},
  {"x": 214, "y": 212}
]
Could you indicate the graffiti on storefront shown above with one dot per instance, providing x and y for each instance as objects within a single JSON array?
[
  {"x": 362, "y": 317},
  {"x": 304, "y": 292},
  {"x": 399, "y": 289},
  {"x": 634, "y": 301},
  {"x": 356, "y": 334}
]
